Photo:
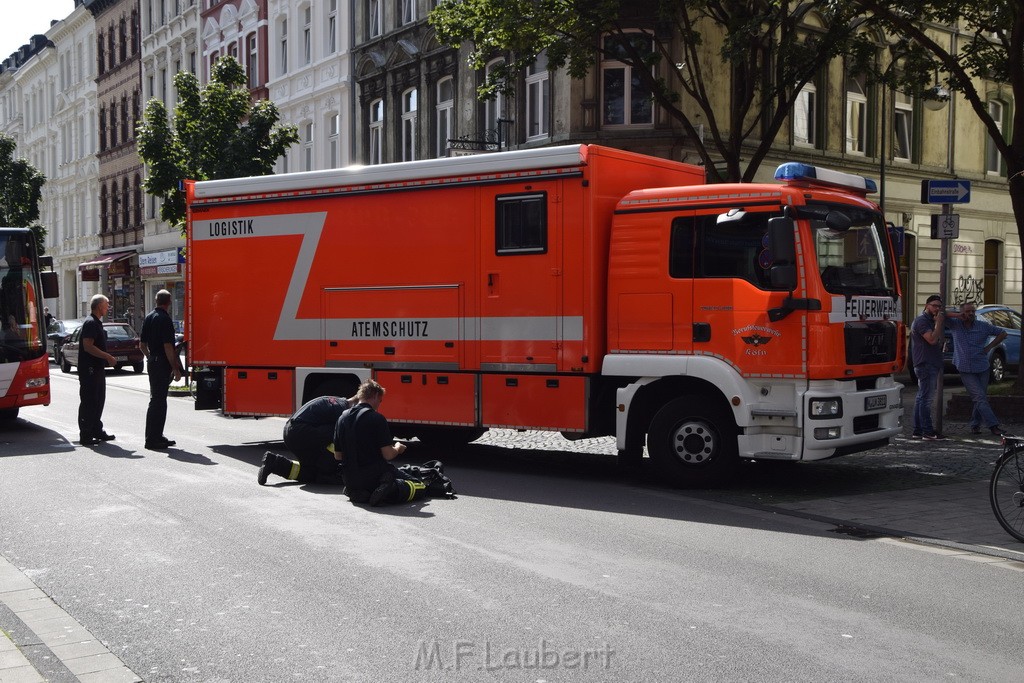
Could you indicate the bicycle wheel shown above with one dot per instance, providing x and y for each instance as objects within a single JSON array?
[{"x": 1006, "y": 491}]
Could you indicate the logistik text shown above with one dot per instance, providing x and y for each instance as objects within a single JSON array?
[{"x": 230, "y": 228}]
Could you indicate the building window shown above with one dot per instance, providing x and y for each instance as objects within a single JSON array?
[
  {"x": 406, "y": 11},
  {"x": 856, "y": 115},
  {"x": 332, "y": 27},
  {"x": 410, "y": 109},
  {"x": 445, "y": 113},
  {"x": 537, "y": 98},
  {"x": 373, "y": 28},
  {"x": 494, "y": 109},
  {"x": 903, "y": 127},
  {"x": 100, "y": 53},
  {"x": 805, "y": 117},
  {"x": 625, "y": 100},
  {"x": 113, "y": 124},
  {"x": 104, "y": 215},
  {"x": 122, "y": 36},
  {"x": 252, "y": 60},
  {"x": 376, "y": 146},
  {"x": 125, "y": 127},
  {"x": 994, "y": 163},
  {"x": 114, "y": 209},
  {"x": 103, "y": 128},
  {"x": 307, "y": 146},
  {"x": 333, "y": 139},
  {"x": 307, "y": 35},
  {"x": 282, "y": 55}
]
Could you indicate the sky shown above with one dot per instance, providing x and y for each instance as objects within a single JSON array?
[{"x": 21, "y": 19}]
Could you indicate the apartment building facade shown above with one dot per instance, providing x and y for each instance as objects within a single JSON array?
[{"x": 366, "y": 81}]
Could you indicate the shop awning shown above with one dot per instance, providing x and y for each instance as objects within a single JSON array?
[{"x": 105, "y": 260}]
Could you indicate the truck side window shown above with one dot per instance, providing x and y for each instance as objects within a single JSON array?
[
  {"x": 680, "y": 255},
  {"x": 521, "y": 224},
  {"x": 702, "y": 247}
]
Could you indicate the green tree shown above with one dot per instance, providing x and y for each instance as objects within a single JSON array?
[
  {"x": 988, "y": 52},
  {"x": 218, "y": 132},
  {"x": 768, "y": 48},
  {"x": 22, "y": 187}
]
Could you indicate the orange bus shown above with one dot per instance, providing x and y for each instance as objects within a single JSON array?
[{"x": 577, "y": 289}]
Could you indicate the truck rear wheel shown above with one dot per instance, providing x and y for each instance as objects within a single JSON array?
[{"x": 692, "y": 443}]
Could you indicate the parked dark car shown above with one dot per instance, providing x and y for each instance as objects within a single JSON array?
[
  {"x": 58, "y": 334},
  {"x": 122, "y": 344},
  {"x": 1003, "y": 358}
]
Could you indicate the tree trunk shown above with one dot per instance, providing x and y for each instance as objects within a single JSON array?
[{"x": 1016, "y": 182}]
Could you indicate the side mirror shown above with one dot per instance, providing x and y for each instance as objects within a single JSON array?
[{"x": 51, "y": 287}]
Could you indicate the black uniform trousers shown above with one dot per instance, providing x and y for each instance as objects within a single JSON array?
[
  {"x": 159, "y": 383},
  {"x": 309, "y": 445},
  {"x": 92, "y": 394}
]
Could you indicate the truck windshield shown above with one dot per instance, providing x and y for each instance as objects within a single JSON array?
[
  {"x": 851, "y": 248},
  {"x": 21, "y": 337}
]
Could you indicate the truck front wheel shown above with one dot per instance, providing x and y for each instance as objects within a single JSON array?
[{"x": 693, "y": 444}]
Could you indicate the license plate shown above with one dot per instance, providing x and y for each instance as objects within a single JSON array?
[
  {"x": 875, "y": 402},
  {"x": 120, "y": 358}
]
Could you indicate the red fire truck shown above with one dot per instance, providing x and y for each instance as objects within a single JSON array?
[{"x": 578, "y": 289}]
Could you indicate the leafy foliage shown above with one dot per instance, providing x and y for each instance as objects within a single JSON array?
[
  {"x": 22, "y": 188},
  {"x": 218, "y": 132},
  {"x": 769, "y": 51}
]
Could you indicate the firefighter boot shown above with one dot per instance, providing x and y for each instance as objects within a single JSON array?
[
  {"x": 398, "y": 491},
  {"x": 279, "y": 465}
]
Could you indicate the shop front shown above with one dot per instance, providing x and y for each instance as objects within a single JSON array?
[
  {"x": 118, "y": 276},
  {"x": 165, "y": 269}
]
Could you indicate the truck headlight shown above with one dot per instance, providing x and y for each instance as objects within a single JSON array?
[
  {"x": 35, "y": 382},
  {"x": 825, "y": 408}
]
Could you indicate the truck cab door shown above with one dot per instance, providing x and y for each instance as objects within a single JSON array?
[
  {"x": 520, "y": 325},
  {"x": 732, "y": 294}
]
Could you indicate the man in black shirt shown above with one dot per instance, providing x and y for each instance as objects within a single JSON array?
[
  {"x": 309, "y": 434},
  {"x": 157, "y": 343},
  {"x": 365, "y": 438},
  {"x": 92, "y": 382}
]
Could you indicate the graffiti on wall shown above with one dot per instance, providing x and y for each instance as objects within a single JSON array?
[{"x": 968, "y": 290}]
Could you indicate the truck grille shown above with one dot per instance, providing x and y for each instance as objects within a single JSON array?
[{"x": 870, "y": 343}]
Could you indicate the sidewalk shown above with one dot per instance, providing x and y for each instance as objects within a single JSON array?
[{"x": 41, "y": 642}]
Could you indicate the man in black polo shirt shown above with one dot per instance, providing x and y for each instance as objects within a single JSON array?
[
  {"x": 92, "y": 382},
  {"x": 157, "y": 342}
]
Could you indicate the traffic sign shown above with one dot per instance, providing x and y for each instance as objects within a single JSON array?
[
  {"x": 945, "y": 191},
  {"x": 945, "y": 226}
]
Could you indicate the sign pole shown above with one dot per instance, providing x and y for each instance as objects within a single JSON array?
[{"x": 947, "y": 209}]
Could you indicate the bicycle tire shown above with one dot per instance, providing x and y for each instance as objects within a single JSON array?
[{"x": 1006, "y": 491}]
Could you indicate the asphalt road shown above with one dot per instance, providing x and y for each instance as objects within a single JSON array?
[{"x": 549, "y": 566}]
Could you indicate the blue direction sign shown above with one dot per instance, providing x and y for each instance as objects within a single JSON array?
[{"x": 945, "y": 191}]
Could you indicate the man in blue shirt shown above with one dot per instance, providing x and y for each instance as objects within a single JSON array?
[
  {"x": 970, "y": 356},
  {"x": 926, "y": 337}
]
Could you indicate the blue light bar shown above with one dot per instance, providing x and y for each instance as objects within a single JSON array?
[{"x": 815, "y": 175}]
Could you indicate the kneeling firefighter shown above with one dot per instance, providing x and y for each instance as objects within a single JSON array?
[
  {"x": 365, "y": 437},
  {"x": 309, "y": 434}
]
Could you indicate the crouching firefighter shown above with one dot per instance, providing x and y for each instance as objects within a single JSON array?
[
  {"x": 309, "y": 435},
  {"x": 364, "y": 436}
]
